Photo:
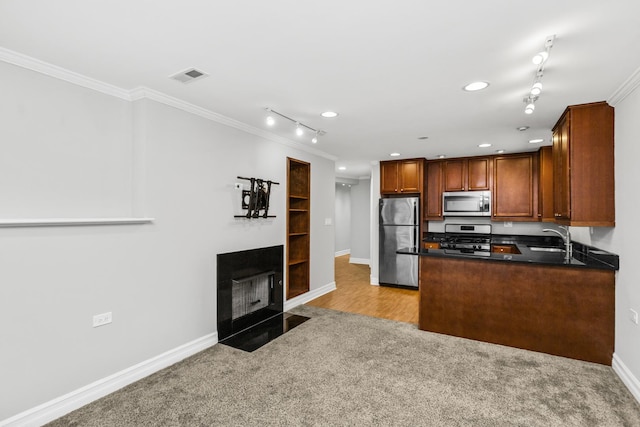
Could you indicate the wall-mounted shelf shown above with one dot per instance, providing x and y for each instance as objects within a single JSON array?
[{"x": 63, "y": 222}]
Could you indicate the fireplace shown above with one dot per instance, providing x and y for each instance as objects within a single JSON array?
[{"x": 250, "y": 298}]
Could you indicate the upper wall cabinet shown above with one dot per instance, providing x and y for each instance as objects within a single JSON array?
[
  {"x": 515, "y": 187},
  {"x": 545, "y": 184},
  {"x": 433, "y": 190},
  {"x": 583, "y": 166},
  {"x": 467, "y": 174},
  {"x": 401, "y": 176}
]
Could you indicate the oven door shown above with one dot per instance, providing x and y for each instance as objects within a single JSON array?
[{"x": 466, "y": 203}]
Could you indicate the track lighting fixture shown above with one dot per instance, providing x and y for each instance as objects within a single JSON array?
[
  {"x": 536, "y": 89},
  {"x": 300, "y": 127}
]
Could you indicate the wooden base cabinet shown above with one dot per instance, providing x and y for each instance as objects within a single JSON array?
[
  {"x": 298, "y": 226},
  {"x": 564, "y": 311}
]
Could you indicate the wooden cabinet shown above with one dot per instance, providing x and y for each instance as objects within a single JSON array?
[
  {"x": 298, "y": 226},
  {"x": 583, "y": 166},
  {"x": 545, "y": 185},
  {"x": 433, "y": 190},
  {"x": 401, "y": 176},
  {"x": 431, "y": 245},
  {"x": 515, "y": 187},
  {"x": 505, "y": 249},
  {"x": 559, "y": 310},
  {"x": 467, "y": 174}
]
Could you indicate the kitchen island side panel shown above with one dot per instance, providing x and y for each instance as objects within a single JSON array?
[{"x": 557, "y": 310}]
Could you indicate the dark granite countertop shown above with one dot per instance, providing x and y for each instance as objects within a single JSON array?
[{"x": 584, "y": 256}]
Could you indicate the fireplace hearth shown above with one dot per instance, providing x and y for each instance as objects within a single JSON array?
[{"x": 250, "y": 298}]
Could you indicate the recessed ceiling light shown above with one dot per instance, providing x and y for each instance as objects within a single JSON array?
[
  {"x": 423, "y": 137},
  {"x": 523, "y": 128},
  {"x": 535, "y": 141},
  {"x": 441, "y": 156},
  {"x": 499, "y": 151},
  {"x": 394, "y": 154},
  {"x": 485, "y": 145},
  {"x": 342, "y": 168},
  {"x": 329, "y": 114},
  {"x": 472, "y": 87}
]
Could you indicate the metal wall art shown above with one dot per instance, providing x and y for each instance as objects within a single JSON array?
[{"x": 256, "y": 199}]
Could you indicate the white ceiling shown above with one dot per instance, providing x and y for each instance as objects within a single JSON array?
[{"x": 392, "y": 69}]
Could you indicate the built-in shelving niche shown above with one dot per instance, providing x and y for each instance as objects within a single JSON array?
[{"x": 298, "y": 226}]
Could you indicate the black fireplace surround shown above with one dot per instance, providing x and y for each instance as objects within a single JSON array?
[{"x": 250, "y": 268}]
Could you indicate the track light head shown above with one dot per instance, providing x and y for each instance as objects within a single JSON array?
[
  {"x": 536, "y": 89},
  {"x": 529, "y": 108},
  {"x": 540, "y": 58}
]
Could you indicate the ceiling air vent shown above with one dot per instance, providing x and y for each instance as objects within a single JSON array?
[{"x": 189, "y": 75}]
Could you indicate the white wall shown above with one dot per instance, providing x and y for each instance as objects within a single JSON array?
[
  {"x": 66, "y": 151},
  {"x": 360, "y": 222},
  {"x": 343, "y": 219},
  {"x": 624, "y": 237},
  {"x": 374, "y": 220},
  {"x": 70, "y": 151}
]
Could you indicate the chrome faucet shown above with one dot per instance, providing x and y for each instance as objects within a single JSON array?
[{"x": 566, "y": 238}]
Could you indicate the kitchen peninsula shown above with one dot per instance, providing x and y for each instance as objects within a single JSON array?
[{"x": 529, "y": 297}]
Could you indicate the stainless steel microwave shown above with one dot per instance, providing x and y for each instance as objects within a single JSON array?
[{"x": 466, "y": 203}]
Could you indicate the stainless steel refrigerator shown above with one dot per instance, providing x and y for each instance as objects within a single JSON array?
[{"x": 399, "y": 227}]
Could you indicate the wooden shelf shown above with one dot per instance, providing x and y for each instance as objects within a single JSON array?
[
  {"x": 298, "y": 226},
  {"x": 62, "y": 222}
]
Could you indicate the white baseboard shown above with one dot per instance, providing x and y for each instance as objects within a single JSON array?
[
  {"x": 62, "y": 405},
  {"x": 344, "y": 252},
  {"x": 311, "y": 295},
  {"x": 353, "y": 260},
  {"x": 627, "y": 377},
  {"x": 374, "y": 280}
]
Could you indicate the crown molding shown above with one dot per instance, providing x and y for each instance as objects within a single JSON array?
[
  {"x": 625, "y": 89},
  {"x": 142, "y": 92},
  {"x": 146, "y": 93},
  {"x": 60, "y": 73}
]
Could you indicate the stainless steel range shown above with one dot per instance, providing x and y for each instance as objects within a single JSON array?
[{"x": 467, "y": 239}]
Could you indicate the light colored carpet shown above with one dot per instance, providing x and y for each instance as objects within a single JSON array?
[{"x": 342, "y": 369}]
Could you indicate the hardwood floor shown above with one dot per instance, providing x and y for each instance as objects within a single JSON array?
[{"x": 355, "y": 294}]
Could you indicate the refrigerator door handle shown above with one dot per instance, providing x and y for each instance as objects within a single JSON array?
[{"x": 414, "y": 243}]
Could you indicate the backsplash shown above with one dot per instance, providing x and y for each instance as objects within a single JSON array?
[{"x": 518, "y": 228}]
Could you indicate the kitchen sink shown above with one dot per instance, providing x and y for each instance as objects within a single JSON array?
[{"x": 545, "y": 249}]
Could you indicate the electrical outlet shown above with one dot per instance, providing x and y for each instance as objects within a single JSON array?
[
  {"x": 102, "y": 319},
  {"x": 633, "y": 316}
]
